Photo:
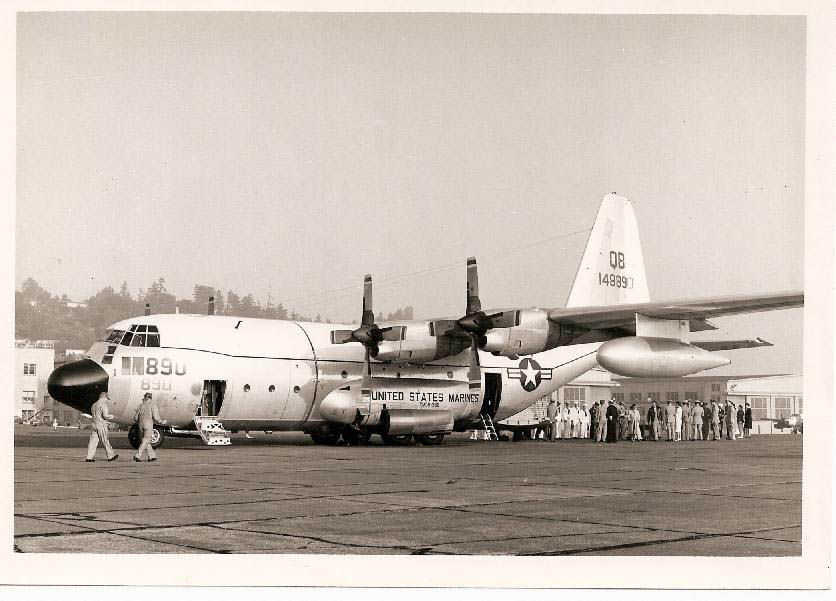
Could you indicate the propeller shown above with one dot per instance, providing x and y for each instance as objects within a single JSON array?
[
  {"x": 369, "y": 334},
  {"x": 474, "y": 324}
]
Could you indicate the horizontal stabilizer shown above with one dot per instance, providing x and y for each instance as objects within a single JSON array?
[{"x": 727, "y": 345}]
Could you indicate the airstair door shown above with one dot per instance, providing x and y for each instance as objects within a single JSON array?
[
  {"x": 212, "y": 398},
  {"x": 493, "y": 394}
]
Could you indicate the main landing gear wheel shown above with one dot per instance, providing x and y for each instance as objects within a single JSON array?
[
  {"x": 157, "y": 437},
  {"x": 429, "y": 439},
  {"x": 327, "y": 437},
  {"x": 355, "y": 436},
  {"x": 395, "y": 441}
]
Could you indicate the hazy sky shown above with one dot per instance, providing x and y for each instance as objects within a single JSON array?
[{"x": 297, "y": 152}]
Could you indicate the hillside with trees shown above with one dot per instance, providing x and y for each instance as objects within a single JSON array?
[{"x": 41, "y": 315}]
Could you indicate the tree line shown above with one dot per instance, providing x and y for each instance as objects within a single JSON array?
[{"x": 41, "y": 315}]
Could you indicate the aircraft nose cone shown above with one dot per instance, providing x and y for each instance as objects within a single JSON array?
[{"x": 78, "y": 384}]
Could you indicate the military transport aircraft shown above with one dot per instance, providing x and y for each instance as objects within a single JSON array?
[{"x": 401, "y": 379}]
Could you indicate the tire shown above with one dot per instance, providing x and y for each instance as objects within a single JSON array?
[
  {"x": 355, "y": 437},
  {"x": 429, "y": 439},
  {"x": 157, "y": 437},
  {"x": 395, "y": 441},
  {"x": 133, "y": 436},
  {"x": 326, "y": 437}
]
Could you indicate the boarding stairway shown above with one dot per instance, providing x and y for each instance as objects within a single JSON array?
[
  {"x": 212, "y": 431},
  {"x": 488, "y": 428}
]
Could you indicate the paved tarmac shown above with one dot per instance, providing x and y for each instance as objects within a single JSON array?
[{"x": 280, "y": 493}]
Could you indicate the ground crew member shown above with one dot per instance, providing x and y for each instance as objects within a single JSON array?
[
  {"x": 99, "y": 429},
  {"x": 687, "y": 430},
  {"x": 551, "y": 413},
  {"x": 602, "y": 422},
  {"x": 145, "y": 416},
  {"x": 706, "y": 420},
  {"x": 670, "y": 420}
]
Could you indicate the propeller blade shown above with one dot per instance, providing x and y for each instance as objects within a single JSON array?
[
  {"x": 392, "y": 333},
  {"x": 366, "y": 389},
  {"x": 341, "y": 336},
  {"x": 474, "y": 372},
  {"x": 504, "y": 319},
  {"x": 473, "y": 303},
  {"x": 368, "y": 312}
]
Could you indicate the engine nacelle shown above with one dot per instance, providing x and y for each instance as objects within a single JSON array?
[
  {"x": 533, "y": 333},
  {"x": 641, "y": 357},
  {"x": 416, "y": 345}
]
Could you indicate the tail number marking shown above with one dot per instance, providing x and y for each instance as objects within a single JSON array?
[{"x": 617, "y": 281}]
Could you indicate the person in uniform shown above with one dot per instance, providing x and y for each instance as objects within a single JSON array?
[
  {"x": 574, "y": 420},
  {"x": 730, "y": 420},
  {"x": 593, "y": 421},
  {"x": 653, "y": 419},
  {"x": 715, "y": 420},
  {"x": 583, "y": 419},
  {"x": 99, "y": 429},
  {"x": 678, "y": 426},
  {"x": 670, "y": 421},
  {"x": 551, "y": 413},
  {"x": 601, "y": 434},
  {"x": 741, "y": 418},
  {"x": 747, "y": 421},
  {"x": 696, "y": 420},
  {"x": 612, "y": 423},
  {"x": 706, "y": 420},
  {"x": 686, "y": 420},
  {"x": 146, "y": 414}
]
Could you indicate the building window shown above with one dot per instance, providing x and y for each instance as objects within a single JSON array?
[
  {"x": 673, "y": 396},
  {"x": 574, "y": 394},
  {"x": 692, "y": 396},
  {"x": 759, "y": 407},
  {"x": 619, "y": 397},
  {"x": 654, "y": 396},
  {"x": 716, "y": 387},
  {"x": 635, "y": 397},
  {"x": 28, "y": 397},
  {"x": 27, "y": 413},
  {"x": 783, "y": 406},
  {"x": 28, "y": 369},
  {"x": 800, "y": 405}
]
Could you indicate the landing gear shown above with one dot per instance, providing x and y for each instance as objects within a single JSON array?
[
  {"x": 429, "y": 439},
  {"x": 355, "y": 437},
  {"x": 326, "y": 437},
  {"x": 157, "y": 437},
  {"x": 396, "y": 441}
]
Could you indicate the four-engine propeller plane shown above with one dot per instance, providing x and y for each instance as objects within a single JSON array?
[{"x": 403, "y": 379}]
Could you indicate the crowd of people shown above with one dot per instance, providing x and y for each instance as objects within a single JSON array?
[{"x": 675, "y": 421}]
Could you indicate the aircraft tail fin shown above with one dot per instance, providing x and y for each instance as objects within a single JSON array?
[{"x": 611, "y": 271}]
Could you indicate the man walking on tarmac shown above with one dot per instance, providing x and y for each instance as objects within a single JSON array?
[
  {"x": 145, "y": 416},
  {"x": 99, "y": 429}
]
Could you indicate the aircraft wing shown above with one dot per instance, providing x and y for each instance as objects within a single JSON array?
[
  {"x": 727, "y": 345},
  {"x": 697, "y": 311}
]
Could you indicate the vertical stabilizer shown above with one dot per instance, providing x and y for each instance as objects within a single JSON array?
[{"x": 611, "y": 271}]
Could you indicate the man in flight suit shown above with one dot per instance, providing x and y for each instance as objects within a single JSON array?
[
  {"x": 99, "y": 429},
  {"x": 146, "y": 414}
]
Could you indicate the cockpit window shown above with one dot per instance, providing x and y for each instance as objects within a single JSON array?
[
  {"x": 139, "y": 338},
  {"x": 113, "y": 336}
]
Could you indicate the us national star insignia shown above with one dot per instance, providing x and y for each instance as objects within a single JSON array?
[{"x": 529, "y": 373}]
